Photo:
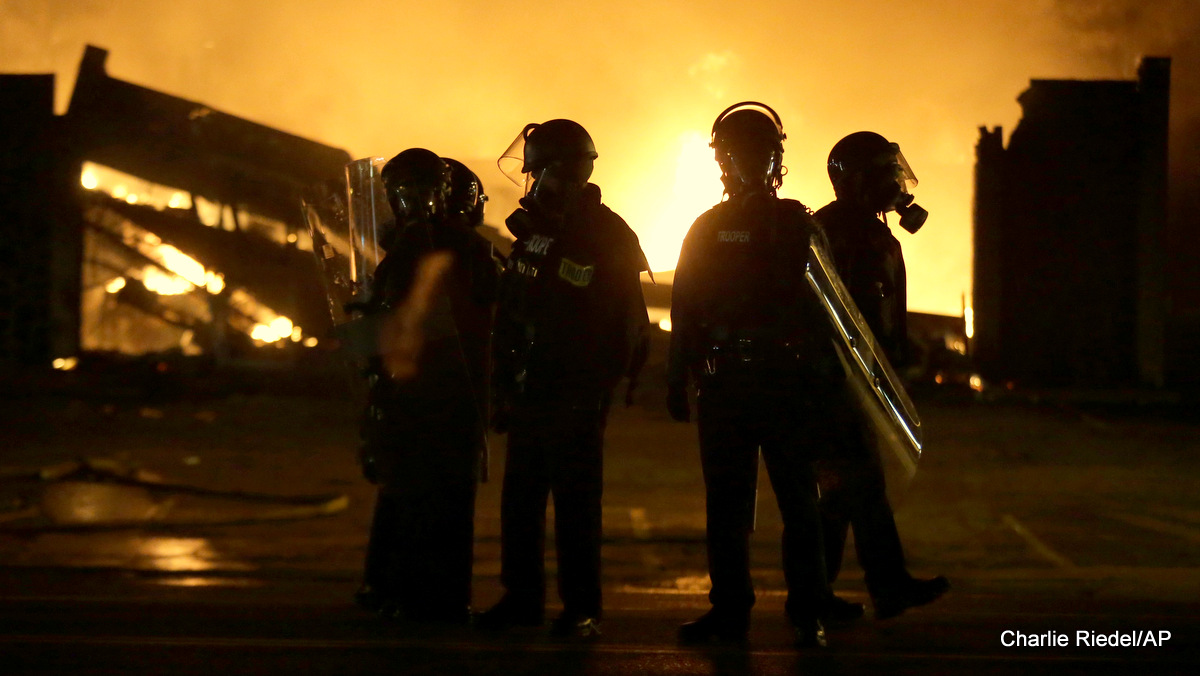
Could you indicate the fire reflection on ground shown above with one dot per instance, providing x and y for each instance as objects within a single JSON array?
[{"x": 175, "y": 554}]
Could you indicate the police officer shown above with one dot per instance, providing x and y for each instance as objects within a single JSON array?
[
  {"x": 427, "y": 410},
  {"x": 570, "y": 320},
  {"x": 870, "y": 178},
  {"x": 747, "y": 328}
]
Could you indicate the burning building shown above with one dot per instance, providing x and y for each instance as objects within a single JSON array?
[
  {"x": 1069, "y": 280},
  {"x": 140, "y": 222}
]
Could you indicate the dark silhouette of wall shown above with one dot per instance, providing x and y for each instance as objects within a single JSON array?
[
  {"x": 1069, "y": 220},
  {"x": 40, "y": 251}
]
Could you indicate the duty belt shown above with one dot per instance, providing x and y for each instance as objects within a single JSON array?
[{"x": 747, "y": 352}]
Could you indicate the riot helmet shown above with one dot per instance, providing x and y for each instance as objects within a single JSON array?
[
  {"x": 748, "y": 140},
  {"x": 551, "y": 161},
  {"x": 466, "y": 193},
  {"x": 867, "y": 169},
  {"x": 418, "y": 185}
]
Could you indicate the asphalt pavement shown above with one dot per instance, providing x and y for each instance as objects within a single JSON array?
[{"x": 225, "y": 535}]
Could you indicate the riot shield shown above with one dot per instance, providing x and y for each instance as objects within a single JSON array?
[
  {"x": 348, "y": 218},
  {"x": 345, "y": 217},
  {"x": 876, "y": 387}
]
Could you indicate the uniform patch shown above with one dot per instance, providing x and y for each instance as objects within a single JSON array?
[
  {"x": 579, "y": 275},
  {"x": 539, "y": 244},
  {"x": 524, "y": 268},
  {"x": 740, "y": 236}
]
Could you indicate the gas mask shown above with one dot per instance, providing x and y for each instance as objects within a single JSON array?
[
  {"x": 885, "y": 187},
  {"x": 912, "y": 215}
]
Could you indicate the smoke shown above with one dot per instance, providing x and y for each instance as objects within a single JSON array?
[
  {"x": 646, "y": 79},
  {"x": 1112, "y": 35}
]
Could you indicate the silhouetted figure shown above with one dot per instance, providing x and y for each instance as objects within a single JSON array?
[
  {"x": 571, "y": 322},
  {"x": 870, "y": 178},
  {"x": 426, "y": 420},
  {"x": 747, "y": 328}
]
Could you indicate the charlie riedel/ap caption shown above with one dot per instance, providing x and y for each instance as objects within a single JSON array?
[{"x": 1085, "y": 639}]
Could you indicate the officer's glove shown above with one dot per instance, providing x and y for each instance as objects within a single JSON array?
[{"x": 677, "y": 403}]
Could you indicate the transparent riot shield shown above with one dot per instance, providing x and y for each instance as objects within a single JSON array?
[
  {"x": 876, "y": 387},
  {"x": 346, "y": 216}
]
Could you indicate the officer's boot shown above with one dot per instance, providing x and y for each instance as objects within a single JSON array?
[
  {"x": 909, "y": 594},
  {"x": 842, "y": 611},
  {"x": 511, "y": 611},
  {"x": 719, "y": 625}
]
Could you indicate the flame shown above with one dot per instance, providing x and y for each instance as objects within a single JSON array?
[
  {"x": 275, "y": 330},
  {"x": 214, "y": 282},
  {"x": 115, "y": 285},
  {"x": 163, "y": 283},
  {"x": 210, "y": 213},
  {"x": 65, "y": 363},
  {"x": 696, "y": 188},
  {"x": 89, "y": 180},
  {"x": 179, "y": 200},
  {"x": 969, "y": 321},
  {"x": 182, "y": 264}
]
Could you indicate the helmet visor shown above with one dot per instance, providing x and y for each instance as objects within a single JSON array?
[
  {"x": 417, "y": 202},
  {"x": 891, "y": 165},
  {"x": 512, "y": 162},
  {"x": 754, "y": 167},
  {"x": 905, "y": 176}
]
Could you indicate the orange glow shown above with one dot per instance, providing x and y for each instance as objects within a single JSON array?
[
  {"x": 164, "y": 284},
  {"x": 181, "y": 264},
  {"x": 696, "y": 188},
  {"x": 177, "y": 554},
  {"x": 273, "y": 331},
  {"x": 179, "y": 200},
  {"x": 639, "y": 77},
  {"x": 402, "y": 337},
  {"x": 214, "y": 282}
]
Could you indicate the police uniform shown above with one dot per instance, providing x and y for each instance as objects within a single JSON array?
[
  {"x": 570, "y": 318},
  {"x": 750, "y": 331},
  {"x": 423, "y": 436},
  {"x": 853, "y": 491}
]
